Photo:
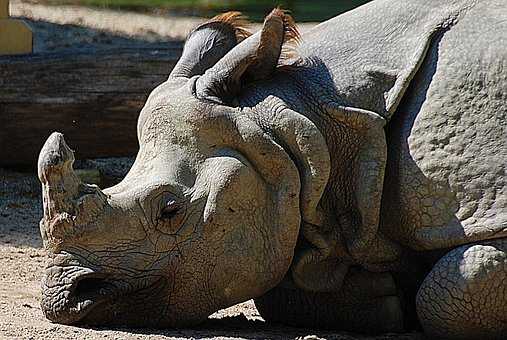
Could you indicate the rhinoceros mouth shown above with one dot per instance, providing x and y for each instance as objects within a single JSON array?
[{"x": 71, "y": 294}]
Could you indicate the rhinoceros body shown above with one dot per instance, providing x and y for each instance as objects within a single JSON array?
[
  {"x": 348, "y": 184},
  {"x": 436, "y": 71}
]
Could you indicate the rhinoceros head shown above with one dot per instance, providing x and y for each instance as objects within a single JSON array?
[{"x": 208, "y": 215}]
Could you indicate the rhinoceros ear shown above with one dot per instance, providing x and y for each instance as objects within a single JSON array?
[
  {"x": 253, "y": 59},
  {"x": 209, "y": 42}
]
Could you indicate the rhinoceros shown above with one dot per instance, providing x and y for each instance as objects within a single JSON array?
[{"x": 351, "y": 178}]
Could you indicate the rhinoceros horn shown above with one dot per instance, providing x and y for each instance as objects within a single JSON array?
[
  {"x": 64, "y": 196},
  {"x": 59, "y": 181}
]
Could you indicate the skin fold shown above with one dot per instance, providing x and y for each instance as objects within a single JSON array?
[{"x": 329, "y": 177}]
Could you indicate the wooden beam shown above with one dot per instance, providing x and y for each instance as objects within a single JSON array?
[
  {"x": 93, "y": 97},
  {"x": 15, "y": 35}
]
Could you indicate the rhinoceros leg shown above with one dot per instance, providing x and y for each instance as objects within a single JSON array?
[
  {"x": 465, "y": 294},
  {"x": 366, "y": 303}
]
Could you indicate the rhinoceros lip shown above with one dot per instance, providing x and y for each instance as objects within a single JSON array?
[{"x": 72, "y": 298}]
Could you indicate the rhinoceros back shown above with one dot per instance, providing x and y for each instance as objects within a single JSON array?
[
  {"x": 446, "y": 174},
  {"x": 372, "y": 52}
]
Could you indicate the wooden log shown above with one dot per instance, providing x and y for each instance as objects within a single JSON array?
[{"x": 93, "y": 97}]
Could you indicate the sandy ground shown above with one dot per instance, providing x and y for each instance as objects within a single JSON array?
[{"x": 22, "y": 258}]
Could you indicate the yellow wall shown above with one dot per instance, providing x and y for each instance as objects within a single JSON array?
[{"x": 15, "y": 35}]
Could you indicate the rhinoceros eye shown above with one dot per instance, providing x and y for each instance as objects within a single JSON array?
[{"x": 170, "y": 210}]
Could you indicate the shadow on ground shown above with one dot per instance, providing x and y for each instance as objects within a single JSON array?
[
  {"x": 56, "y": 38},
  {"x": 239, "y": 326}
]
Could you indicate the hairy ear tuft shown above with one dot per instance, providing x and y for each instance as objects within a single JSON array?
[
  {"x": 291, "y": 35},
  {"x": 237, "y": 21},
  {"x": 256, "y": 58}
]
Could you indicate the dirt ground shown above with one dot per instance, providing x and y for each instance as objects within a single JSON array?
[{"x": 22, "y": 258}]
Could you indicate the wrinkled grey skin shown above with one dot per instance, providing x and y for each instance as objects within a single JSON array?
[{"x": 332, "y": 190}]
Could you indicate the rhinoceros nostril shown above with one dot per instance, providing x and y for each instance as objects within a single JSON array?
[{"x": 92, "y": 286}]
